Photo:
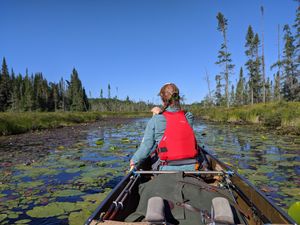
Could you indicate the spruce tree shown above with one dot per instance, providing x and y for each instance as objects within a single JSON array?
[
  {"x": 108, "y": 90},
  {"x": 76, "y": 92},
  {"x": 239, "y": 99},
  {"x": 263, "y": 58},
  {"x": 5, "y": 87},
  {"x": 290, "y": 82},
  {"x": 253, "y": 65},
  {"x": 277, "y": 87},
  {"x": 224, "y": 57},
  {"x": 218, "y": 92}
]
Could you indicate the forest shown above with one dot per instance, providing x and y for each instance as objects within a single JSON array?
[{"x": 253, "y": 85}]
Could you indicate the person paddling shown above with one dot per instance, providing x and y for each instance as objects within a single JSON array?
[{"x": 170, "y": 135}]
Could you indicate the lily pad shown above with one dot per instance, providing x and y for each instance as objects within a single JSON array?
[
  {"x": 23, "y": 221},
  {"x": 100, "y": 142},
  {"x": 60, "y": 147},
  {"x": 66, "y": 193},
  {"x": 125, "y": 140},
  {"x": 3, "y": 217},
  {"x": 78, "y": 218},
  {"x": 52, "y": 209}
]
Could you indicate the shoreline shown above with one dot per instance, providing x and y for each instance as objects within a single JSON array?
[
  {"x": 282, "y": 117},
  {"x": 19, "y": 123}
]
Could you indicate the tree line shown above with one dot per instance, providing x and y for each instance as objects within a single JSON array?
[
  {"x": 253, "y": 86},
  {"x": 22, "y": 93},
  {"x": 33, "y": 92}
]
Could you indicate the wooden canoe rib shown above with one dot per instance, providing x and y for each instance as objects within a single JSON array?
[{"x": 250, "y": 203}]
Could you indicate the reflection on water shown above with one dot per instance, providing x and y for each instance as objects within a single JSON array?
[
  {"x": 65, "y": 186},
  {"x": 270, "y": 161}
]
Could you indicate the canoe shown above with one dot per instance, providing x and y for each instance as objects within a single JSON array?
[{"x": 215, "y": 196}]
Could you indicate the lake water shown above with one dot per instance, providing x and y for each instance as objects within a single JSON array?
[{"x": 66, "y": 185}]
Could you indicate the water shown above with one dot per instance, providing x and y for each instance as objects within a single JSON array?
[{"x": 65, "y": 186}]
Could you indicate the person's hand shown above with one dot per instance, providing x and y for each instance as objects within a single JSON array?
[
  {"x": 156, "y": 110},
  {"x": 131, "y": 164}
]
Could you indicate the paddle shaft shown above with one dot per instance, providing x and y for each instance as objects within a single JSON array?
[
  {"x": 115, "y": 203},
  {"x": 120, "y": 201}
]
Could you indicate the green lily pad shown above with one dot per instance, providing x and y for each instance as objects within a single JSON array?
[
  {"x": 13, "y": 215},
  {"x": 294, "y": 210},
  {"x": 60, "y": 147},
  {"x": 23, "y": 221},
  {"x": 100, "y": 142},
  {"x": 52, "y": 209},
  {"x": 66, "y": 193},
  {"x": 113, "y": 147},
  {"x": 3, "y": 217},
  {"x": 32, "y": 184},
  {"x": 72, "y": 170},
  {"x": 125, "y": 140},
  {"x": 78, "y": 218}
]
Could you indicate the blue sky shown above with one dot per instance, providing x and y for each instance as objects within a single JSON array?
[{"x": 134, "y": 45}]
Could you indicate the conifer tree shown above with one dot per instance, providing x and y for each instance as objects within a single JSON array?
[
  {"x": 239, "y": 99},
  {"x": 224, "y": 57},
  {"x": 268, "y": 90},
  {"x": 297, "y": 41},
  {"x": 28, "y": 97},
  {"x": 263, "y": 58},
  {"x": 232, "y": 95},
  {"x": 5, "y": 87},
  {"x": 253, "y": 65},
  {"x": 101, "y": 93},
  {"x": 108, "y": 90},
  {"x": 290, "y": 83},
  {"x": 76, "y": 93},
  {"x": 218, "y": 92},
  {"x": 277, "y": 87}
]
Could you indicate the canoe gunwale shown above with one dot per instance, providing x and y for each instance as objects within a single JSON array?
[
  {"x": 108, "y": 197},
  {"x": 237, "y": 176}
]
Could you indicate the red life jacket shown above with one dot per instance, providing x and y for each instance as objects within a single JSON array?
[{"x": 178, "y": 141}]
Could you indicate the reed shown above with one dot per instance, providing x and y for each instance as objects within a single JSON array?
[
  {"x": 279, "y": 115},
  {"x": 16, "y": 123}
]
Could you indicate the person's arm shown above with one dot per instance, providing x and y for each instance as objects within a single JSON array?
[
  {"x": 190, "y": 118},
  {"x": 146, "y": 145}
]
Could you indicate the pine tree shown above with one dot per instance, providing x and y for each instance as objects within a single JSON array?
[
  {"x": 290, "y": 83},
  {"x": 28, "y": 97},
  {"x": 232, "y": 95},
  {"x": 62, "y": 95},
  {"x": 5, "y": 87},
  {"x": 297, "y": 41},
  {"x": 218, "y": 93},
  {"x": 253, "y": 65},
  {"x": 268, "y": 90},
  {"x": 101, "y": 93},
  {"x": 224, "y": 57},
  {"x": 277, "y": 87},
  {"x": 108, "y": 90},
  {"x": 263, "y": 59},
  {"x": 239, "y": 100},
  {"x": 76, "y": 92}
]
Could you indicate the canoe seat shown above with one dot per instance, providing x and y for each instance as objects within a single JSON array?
[
  {"x": 155, "y": 211},
  {"x": 221, "y": 211}
]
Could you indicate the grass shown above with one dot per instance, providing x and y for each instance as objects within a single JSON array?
[
  {"x": 16, "y": 123},
  {"x": 284, "y": 116}
]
